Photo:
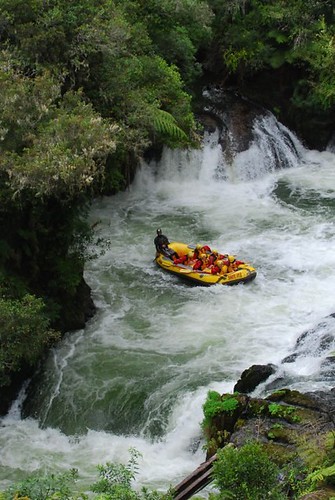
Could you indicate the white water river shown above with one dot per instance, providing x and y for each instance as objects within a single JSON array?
[{"x": 138, "y": 374}]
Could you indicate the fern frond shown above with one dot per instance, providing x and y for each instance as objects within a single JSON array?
[
  {"x": 321, "y": 475},
  {"x": 165, "y": 124}
]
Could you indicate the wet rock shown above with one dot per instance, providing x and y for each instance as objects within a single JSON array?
[
  {"x": 324, "y": 494},
  {"x": 327, "y": 368},
  {"x": 291, "y": 358},
  {"x": 77, "y": 310},
  {"x": 233, "y": 115},
  {"x": 324, "y": 402},
  {"x": 10, "y": 392},
  {"x": 242, "y": 123},
  {"x": 287, "y": 423},
  {"x": 316, "y": 342},
  {"x": 253, "y": 376}
]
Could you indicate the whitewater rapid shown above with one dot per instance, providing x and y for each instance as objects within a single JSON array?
[{"x": 138, "y": 374}]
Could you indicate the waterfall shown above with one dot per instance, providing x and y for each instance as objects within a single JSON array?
[{"x": 139, "y": 373}]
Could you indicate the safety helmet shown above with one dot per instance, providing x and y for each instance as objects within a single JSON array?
[
  {"x": 190, "y": 254},
  {"x": 159, "y": 232},
  {"x": 198, "y": 246},
  {"x": 231, "y": 258},
  {"x": 215, "y": 252}
]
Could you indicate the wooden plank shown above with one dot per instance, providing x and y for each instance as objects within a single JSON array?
[
  {"x": 198, "y": 484},
  {"x": 195, "y": 481}
]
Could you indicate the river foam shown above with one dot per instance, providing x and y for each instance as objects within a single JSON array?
[{"x": 138, "y": 374}]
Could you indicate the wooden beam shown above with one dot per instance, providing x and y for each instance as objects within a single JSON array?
[{"x": 195, "y": 481}]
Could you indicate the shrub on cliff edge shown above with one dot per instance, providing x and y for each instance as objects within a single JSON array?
[{"x": 247, "y": 473}]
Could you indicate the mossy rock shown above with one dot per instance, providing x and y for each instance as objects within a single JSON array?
[
  {"x": 257, "y": 407},
  {"x": 294, "y": 398},
  {"x": 239, "y": 423},
  {"x": 280, "y": 454},
  {"x": 321, "y": 494},
  {"x": 281, "y": 434}
]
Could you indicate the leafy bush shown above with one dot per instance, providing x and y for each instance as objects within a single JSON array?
[
  {"x": 246, "y": 473},
  {"x": 24, "y": 334},
  {"x": 115, "y": 483},
  {"x": 215, "y": 404},
  {"x": 38, "y": 487}
]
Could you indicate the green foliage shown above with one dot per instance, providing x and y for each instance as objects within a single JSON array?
[
  {"x": 229, "y": 404},
  {"x": 322, "y": 475},
  {"x": 65, "y": 153},
  {"x": 24, "y": 334},
  {"x": 283, "y": 411},
  {"x": 117, "y": 475},
  {"x": 273, "y": 431},
  {"x": 39, "y": 487},
  {"x": 115, "y": 483},
  {"x": 317, "y": 88},
  {"x": 293, "y": 479},
  {"x": 246, "y": 473},
  {"x": 86, "y": 87},
  {"x": 256, "y": 35},
  {"x": 216, "y": 404},
  {"x": 138, "y": 90},
  {"x": 318, "y": 451},
  {"x": 56, "y": 141},
  {"x": 234, "y": 58},
  {"x": 26, "y": 102},
  {"x": 165, "y": 125},
  {"x": 178, "y": 29}
]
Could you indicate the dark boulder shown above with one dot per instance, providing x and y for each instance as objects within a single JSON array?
[{"x": 253, "y": 376}]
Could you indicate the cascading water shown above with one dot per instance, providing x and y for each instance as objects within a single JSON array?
[
  {"x": 138, "y": 374},
  {"x": 273, "y": 146}
]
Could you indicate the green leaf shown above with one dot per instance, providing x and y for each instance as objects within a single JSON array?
[{"x": 166, "y": 125}]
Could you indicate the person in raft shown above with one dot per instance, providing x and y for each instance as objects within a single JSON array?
[
  {"x": 161, "y": 243},
  {"x": 227, "y": 264},
  {"x": 207, "y": 260},
  {"x": 196, "y": 259},
  {"x": 200, "y": 257}
]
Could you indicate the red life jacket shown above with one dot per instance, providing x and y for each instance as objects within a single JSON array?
[
  {"x": 211, "y": 259},
  {"x": 215, "y": 270},
  {"x": 180, "y": 260},
  {"x": 197, "y": 265}
]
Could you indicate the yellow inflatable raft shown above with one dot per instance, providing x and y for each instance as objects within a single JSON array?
[{"x": 243, "y": 272}]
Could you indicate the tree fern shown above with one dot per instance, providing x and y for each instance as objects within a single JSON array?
[{"x": 166, "y": 125}]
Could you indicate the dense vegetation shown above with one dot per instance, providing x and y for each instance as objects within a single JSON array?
[
  {"x": 247, "y": 473},
  {"x": 269, "y": 448},
  {"x": 281, "y": 53},
  {"x": 115, "y": 483},
  {"x": 87, "y": 87}
]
